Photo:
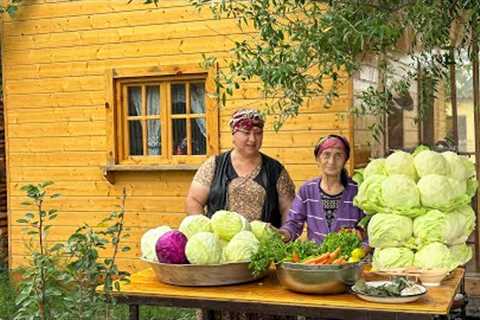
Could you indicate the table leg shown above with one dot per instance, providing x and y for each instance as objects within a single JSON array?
[{"x": 134, "y": 312}]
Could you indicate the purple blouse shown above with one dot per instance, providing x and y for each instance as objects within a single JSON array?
[{"x": 307, "y": 207}]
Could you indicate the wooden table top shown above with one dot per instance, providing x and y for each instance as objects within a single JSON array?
[{"x": 268, "y": 291}]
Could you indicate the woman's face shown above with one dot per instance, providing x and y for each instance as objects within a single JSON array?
[
  {"x": 331, "y": 161},
  {"x": 248, "y": 142}
]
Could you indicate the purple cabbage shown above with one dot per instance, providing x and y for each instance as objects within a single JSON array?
[{"x": 170, "y": 247}]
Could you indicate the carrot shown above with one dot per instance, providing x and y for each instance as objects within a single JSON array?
[
  {"x": 314, "y": 259},
  {"x": 295, "y": 257},
  {"x": 340, "y": 260}
]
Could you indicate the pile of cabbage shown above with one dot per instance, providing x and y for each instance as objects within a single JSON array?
[
  {"x": 419, "y": 207},
  {"x": 224, "y": 238}
]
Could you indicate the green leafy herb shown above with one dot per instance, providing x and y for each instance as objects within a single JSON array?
[{"x": 344, "y": 239}]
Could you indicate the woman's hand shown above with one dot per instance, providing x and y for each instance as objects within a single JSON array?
[{"x": 282, "y": 232}]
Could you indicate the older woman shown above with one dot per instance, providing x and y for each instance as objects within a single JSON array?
[
  {"x": 243, "y": 180},
  {"x": 325, "y": 203}
]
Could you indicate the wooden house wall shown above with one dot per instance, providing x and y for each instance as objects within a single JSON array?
[{"x": 57, "y": 54}]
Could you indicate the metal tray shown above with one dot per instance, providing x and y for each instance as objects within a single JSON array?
[
  {"x": 192, "y": 275},
  {"x": 320, "y": 279}
]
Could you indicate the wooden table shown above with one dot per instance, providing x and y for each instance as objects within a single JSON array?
[{"x": 268, "y": 296}]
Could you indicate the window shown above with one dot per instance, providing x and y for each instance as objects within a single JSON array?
[{"x": 165, "y": 119}]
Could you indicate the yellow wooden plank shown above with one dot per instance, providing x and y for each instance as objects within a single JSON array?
[
  {"x": 66, "y": 84},
  {"x": 55, "y": 159},
  {"x": 120, "y": 50},
  {"x": 98, "y": 188},
  {"x": 141, "y": 220},
  {"x": 45, "y": 144},
  {"x": 97, "y": 67},
  {"x": 65, "y": 129},
  {"x": 322, "y": 121},
  {"x": 55, "y": 99},
  {"x": 57, "y": 174},
  {"x": 52, "y": 115},
  {"x": 126, "y": 35},
  {"x": 61, "y": 233},
  {"x": 143, "y": 17},
  {"x": 39, "y": 9},
  {"x": 103, "y": 203}
]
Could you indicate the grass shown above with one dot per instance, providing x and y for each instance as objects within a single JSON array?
[{"x": 7, "y": 306}]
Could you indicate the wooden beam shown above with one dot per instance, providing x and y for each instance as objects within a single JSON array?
[
  {"x": 453, "y": 96},
  {"x": 476, "y": 112}
]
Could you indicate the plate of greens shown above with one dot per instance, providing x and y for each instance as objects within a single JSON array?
[{"x": 399, "y": 290}]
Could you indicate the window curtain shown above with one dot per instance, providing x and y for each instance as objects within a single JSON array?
[
  {"x": 154, "y": 141},
  {"x": 197, "y": 96},
  {"x": 135, "y": 127}
]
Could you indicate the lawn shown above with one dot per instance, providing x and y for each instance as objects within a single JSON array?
[{"x": 7, "y": 306}]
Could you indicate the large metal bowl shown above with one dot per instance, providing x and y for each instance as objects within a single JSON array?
[
  {"x": 192, "y": 275},
  {"x": 320, "y": 279}
]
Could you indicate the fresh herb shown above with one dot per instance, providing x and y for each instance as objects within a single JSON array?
[
  {"x": 274, "y": 250},
  {"x": 346, "y": 240},
  {"x": 389, "y": 289}
]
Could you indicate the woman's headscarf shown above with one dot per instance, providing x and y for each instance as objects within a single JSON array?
[
  {"x": 332, "y": 141},
  {"x": 246, "y": 119}
]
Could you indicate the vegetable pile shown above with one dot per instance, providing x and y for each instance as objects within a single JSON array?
[
  {"x": 226, "y": 237},
  {"x": 337, "y": 248},
  {"x": 418, "y": 209},
  {"x": 400, "y": 286}
]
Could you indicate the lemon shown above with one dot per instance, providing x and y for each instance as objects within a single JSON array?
[
  {"x": 358, "y": 253},
  {"x": 353, "y": 260}
]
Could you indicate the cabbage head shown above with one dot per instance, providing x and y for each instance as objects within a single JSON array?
[
  {"x": 431, "y": 162},
  {"x": 204, "y": 248},
  {"x": 241, "y": 248},
  {"x": 462, "y": 225},
  {"x": 434, "y": 255},
  {"x": 389, "y": 230},
  {"x": 391, "y": 258},
  {"x": 461, "y": 253},
  {"x": 193, "y": 224},
  {"x": 375, "y": 167},
  {"x": 472, "y": 185},
  {"x": 260, "y": 229},
  {"x": 226, "y": 224},
  {"x": 436, "y": 226},
  {"x": 460, "y": 168},
  {"x": 149, "y": 240},
  {"x": 441, "y": 192},
  {"x": 435, "y": 191},
  {"x": 369, "y": 196},
  {"x": 401, "y": 162},
  {"x": 400, "y": 192}
]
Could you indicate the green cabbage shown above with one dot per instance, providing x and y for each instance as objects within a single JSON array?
[
  {"x": 375, "y": 167},
  {"x": 260, "y": 229},
  {"x": 472, "y": 185},
  {"x": 441, "y": 192},
  {"x": 389, "y": 230},
  {"x": 241, "y": 248},
  {"x": 401, "y": 162},
  {"x": 464, "y": 218},
  {"x": 431, "y": 162},
  {"x": 149, "y": 240},
  {"x": 461, "y": 253},
  {"x": 391, "y": 258},
  {"x": 435, "y": 255},
  {"x": 460, "y": 168},
  {"x": 369, "y": 196},
  {"x": 226, "y": 224},
  {"x": 204, "y": 248},
  {"x": 400, "y": 192},
  {"x": 194, "y": 224}
]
